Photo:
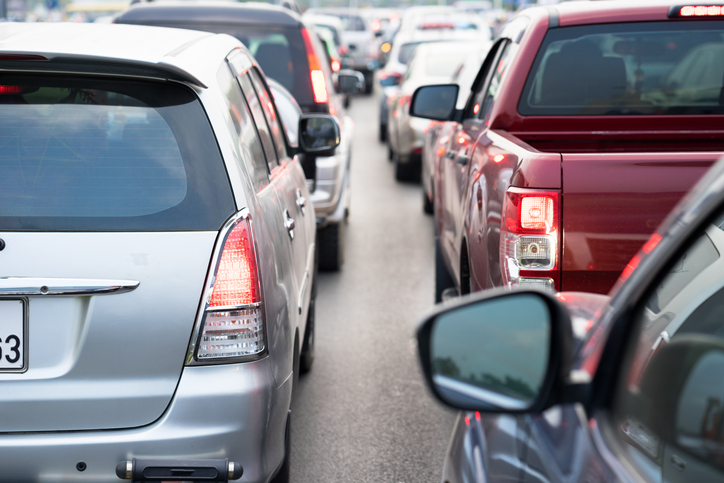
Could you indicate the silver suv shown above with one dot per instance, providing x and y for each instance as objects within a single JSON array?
[{"x": 158, "y": 257}]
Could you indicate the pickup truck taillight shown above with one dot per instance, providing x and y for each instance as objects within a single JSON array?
[
  {"x": 232, "y": 319},
  {"x": 319, "y": 84},
  {"x": 529, "y": 238}
]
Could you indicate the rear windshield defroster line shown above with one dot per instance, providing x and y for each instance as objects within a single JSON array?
[{"x": 85, "y": 154}]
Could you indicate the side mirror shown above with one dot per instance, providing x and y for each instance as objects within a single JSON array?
[
  {"x": 350, "y": 81},
  {"x": 318, "y": 134},
  {"x": 390, "y": 79},
  {"x": 435, "y": 102},
  {"x": 499, "y": 352}
]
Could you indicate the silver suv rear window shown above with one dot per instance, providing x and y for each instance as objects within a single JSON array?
[{"x": 84, "y": 154}]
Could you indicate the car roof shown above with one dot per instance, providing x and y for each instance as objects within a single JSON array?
[
  {"x": 129, "y": 50},
  {"x": 586, "y": 12},
  {"x": 249, "y": 13}
]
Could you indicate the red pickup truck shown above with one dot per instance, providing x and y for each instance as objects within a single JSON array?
[{"x": 586, "y": 123}]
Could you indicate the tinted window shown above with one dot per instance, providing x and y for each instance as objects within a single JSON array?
[
  {"x": 628, "y": 69},
  {"x": 259, "y": 119},
  {"x": 86, "y": 154},
  {"x": 270, "y": 112},
  {"x": 249, "y": 142}
]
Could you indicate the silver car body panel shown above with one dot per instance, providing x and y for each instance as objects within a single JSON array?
[
  {"x": 117, "y": 361},
  {"x": 111, "y": 361}
]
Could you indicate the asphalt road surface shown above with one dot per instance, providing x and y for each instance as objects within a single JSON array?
[{"x": 363, "y": 413}]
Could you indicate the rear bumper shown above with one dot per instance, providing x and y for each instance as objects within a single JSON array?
[{"x": 230, "y": 411}]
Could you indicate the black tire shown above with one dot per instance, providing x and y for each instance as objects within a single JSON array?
[
  {"x": 390, "y": 152},
  {"x": 383, "y": 133},
  {"x": 369, "y": 84},
  {"x": 427, "y": 205},
  {"x": 403, "y": 171},
  {"x": 306, "y": 357},
  {"x": 347, "y": 101},
  {"x": 331, "y": 247},
  {"x": 443, "y": 280},
  {"x": 284, "y": 473}
]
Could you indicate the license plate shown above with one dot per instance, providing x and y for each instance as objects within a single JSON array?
[{"x": 12, "y": 336}]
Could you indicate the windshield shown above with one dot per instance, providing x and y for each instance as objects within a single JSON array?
[{"x": 628, "y": 69}]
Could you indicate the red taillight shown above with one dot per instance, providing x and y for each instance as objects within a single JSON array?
[
  {"x": 530, "y": 238},
  {"x": 236, "y": 282},
  {"x": 319, "y": 84},
  {"x": 336, "y": 66},
  {"x": 10, "y": 90},
  {"x": 701, "y": 11},
  {"x": 232, "y": 324},
  {"x": 21, "y": 57}
]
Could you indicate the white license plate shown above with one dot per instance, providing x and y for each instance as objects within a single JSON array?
[{"x": 12, "y": 335}]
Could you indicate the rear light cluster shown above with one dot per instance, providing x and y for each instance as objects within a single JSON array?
[
  {"x": 232, "y": 322},
  {"x": 530, "y": 238},
  {"x": 319, "y": 84}
]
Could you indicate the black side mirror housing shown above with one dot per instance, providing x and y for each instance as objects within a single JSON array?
[
  {"x": 436, "y": 102},
  {"x": 350, "y": 81},
  {"x": 318, "y": 134},
  {"x": 498, "y": 351}
]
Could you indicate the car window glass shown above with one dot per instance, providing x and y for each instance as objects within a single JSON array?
[
  {"x": 112, "y": 155},
  {"x": 257, "y": 113},
  {"x": 249, "y": 142},
  {"x": 670, "y": 417},
  {"x": 267, "y": 105},
  {"x": 628, "y": 69},
  {"x": 290, "y": 113},
  {"x": 496, "y": 79},
  {"x": 481, "y": 81}
]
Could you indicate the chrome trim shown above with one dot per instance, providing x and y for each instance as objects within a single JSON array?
[
  {"x": 129, "y": 470},
  {"x": 28, "y": 286},
  {"x": 190, "y": 360},
  {"x": 301, "y": 201},
  {"x": 230, "y": 472},
  {"x": 289, "y": 224}
]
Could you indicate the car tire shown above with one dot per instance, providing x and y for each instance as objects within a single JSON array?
[
  {"x": 369, "y": 84},
  {"x": 306, "y": 357},
  {"x": 383, "y": 133},
  {"x": 284, "y": 473},
  {"x": 390, "y": 152},
  {"x": 443, "y": 280},
  {"x": 427, "y": 205},
  {"x": 331, "y": 247},
  {"x": 403, "y": 171}
]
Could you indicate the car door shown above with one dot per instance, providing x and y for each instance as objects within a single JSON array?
[
  {"x": 455, "y": 163},
  {"x": 287, "y": 179}
]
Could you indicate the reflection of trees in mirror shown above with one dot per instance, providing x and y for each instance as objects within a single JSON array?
[
  {"x": 509, "y": 386},
  {"x": 86, "y": 97}
]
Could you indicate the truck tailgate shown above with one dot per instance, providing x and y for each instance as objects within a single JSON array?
[{"x": 612, "y": 203}]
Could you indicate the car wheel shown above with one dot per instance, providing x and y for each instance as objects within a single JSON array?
[
  {"x": 369, "y": 84},
  {"x": 347, "y": 102},
  {"x": 306, "y": 358},
  {"x": 390, "y": 152},
  {"x": 383, "y": 133},
  {"x": 403, "y": 171},
  {"x": 331, "y": 247},
  {"x": 443, "y": 280},
  {"x": 427, "y": 206},
  {"x": 284, "y": 473}
]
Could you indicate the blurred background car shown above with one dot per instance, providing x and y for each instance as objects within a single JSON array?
[
  {"x": 358, "y": 39},
  {"x": 167, "y": 183},
  {"x": 439, "y": 134},
  {"x": 290, "y": 53},
  {"x": 431, "y": 63},
  {"x": 405, "y": 43}
]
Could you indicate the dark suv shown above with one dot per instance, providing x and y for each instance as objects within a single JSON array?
[{"x": 291, "y": 54}]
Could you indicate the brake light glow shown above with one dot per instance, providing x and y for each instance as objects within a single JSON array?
[
  {"x": 336, "y": 66},
  {"x": 319, "y": 84},
  {"x": 696, "y": 11},
  {"x": 10, "y": 90},
  {"x": 530, "y": 238},
  {"x": 386, "y": 47},
  {"x": 233, "y": 322},
  {"x": 21, "y": 57}
]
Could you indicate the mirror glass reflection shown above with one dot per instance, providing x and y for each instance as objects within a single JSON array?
[
  {"x": 435, "y": 102},
  {"x": 493, "y": 352}
]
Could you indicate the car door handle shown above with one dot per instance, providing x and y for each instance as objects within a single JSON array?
[
  {"x": 301, "y": 201},
  {"x": 462, "y": 159},
  {"x": 289, "y": 224},
  {"x": 450, "y": 154}
]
